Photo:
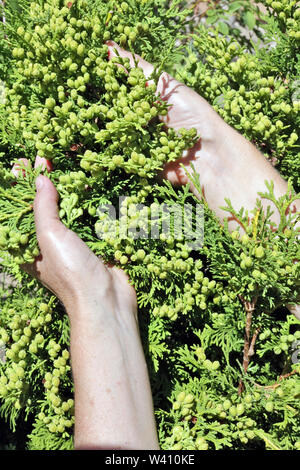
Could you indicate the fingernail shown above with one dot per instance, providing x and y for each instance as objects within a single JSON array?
[
  {"x": 44, "y": 163},
  {"x": 39, "y": 182}
]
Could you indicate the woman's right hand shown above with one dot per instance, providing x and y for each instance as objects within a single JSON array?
[{"x": 187, "y": 110}]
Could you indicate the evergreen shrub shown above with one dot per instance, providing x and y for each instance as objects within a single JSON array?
[{"x": 221, "y": 345}]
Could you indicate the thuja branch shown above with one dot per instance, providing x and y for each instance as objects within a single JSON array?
[
  {"x": 283, "y": 203},
  {"x": 276, "y": 384},
  {"x": 16, "y": 198},
  {"x": 249, "y": 342},
  {"x": 17, "y": 216}
]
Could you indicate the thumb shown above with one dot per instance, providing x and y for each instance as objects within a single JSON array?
[{"x": 45, "y": 206}]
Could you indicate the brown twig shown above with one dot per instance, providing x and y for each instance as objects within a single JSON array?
[
  {"x": 251, "y": 349},
  {"x": 249, "y": 342}
]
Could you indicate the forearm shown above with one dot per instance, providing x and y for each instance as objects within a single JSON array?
[
  {"x": 232, "y": 167},
  {"x": 113, "y": 402}
]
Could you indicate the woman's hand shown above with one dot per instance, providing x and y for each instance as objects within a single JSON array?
[
  {"x": 66, "y": 265},
  {"x": 229, "y": 165},
  {"x": 187, "y": 110},
  {"x": 113, "y": 401}
]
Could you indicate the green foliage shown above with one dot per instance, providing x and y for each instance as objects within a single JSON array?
[
  {"x": 35, "y": 380},
  {"x": 242, "y": 12},
  {"x": 219, "y": 342}
]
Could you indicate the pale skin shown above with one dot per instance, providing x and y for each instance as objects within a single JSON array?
[{"x": 113, "y": 401}]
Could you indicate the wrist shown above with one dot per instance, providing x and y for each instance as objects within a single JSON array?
[{"x": 98, "y": 304}]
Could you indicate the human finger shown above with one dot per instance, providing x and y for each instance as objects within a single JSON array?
[
  {"x": 114, "y": 50},
  {"x": 45, "y": 205},
  {"x": 18, "y": 167},
  {"x": 44, "y": 163}
]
